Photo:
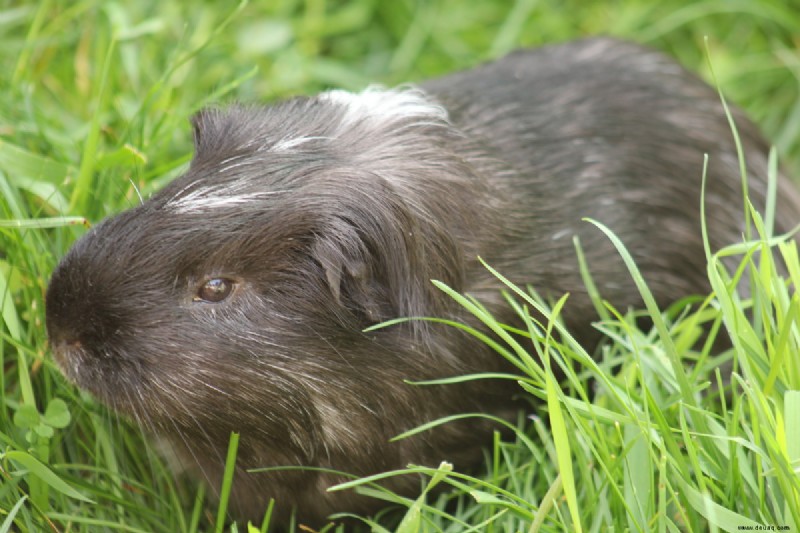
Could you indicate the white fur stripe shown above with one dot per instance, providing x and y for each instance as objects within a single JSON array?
[
  {"x": 214, "y": 197},
  {"x": 378, "y": 103}
]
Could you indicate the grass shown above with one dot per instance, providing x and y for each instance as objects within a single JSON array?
[{"x": 94, "y": 103}]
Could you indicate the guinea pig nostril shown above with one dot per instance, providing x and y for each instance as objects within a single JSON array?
[
  {"x": 68, "y": 345},
  {"x": 68, "y": 353}
]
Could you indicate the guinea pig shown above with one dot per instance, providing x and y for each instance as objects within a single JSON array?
[{"x": 236, "y": 298}]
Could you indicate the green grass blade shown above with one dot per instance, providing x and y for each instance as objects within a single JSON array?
[
  {"x": 227, "y": 481},
  {"x": 791, "y": 415},
  {"x": 5, "y": 527},
  {"x": 44, "y": 223},
  {"x": 655, "y": 314},
  {"x": 41, "y": 471}
]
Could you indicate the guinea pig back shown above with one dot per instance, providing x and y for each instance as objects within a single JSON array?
[{"x": 236, "y": 298}]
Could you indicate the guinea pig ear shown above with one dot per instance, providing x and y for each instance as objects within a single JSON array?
[
  {"x": 202, "y": 122},
  {"x": 378, "y": 262},
  {"x": 350, "y": 276},
  {"x": 199, "y": 121},
  {"x": 219, "y": 132}
]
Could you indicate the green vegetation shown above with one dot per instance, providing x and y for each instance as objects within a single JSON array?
[{"x": 94, "y": 104}]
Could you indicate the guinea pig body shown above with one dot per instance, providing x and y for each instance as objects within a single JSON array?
[{"x": 235, "y": 299}]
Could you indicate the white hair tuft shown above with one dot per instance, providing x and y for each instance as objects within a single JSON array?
[{"x": 378, "y": 103}]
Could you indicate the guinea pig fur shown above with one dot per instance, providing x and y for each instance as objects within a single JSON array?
[{"x": 236, "y": 298}]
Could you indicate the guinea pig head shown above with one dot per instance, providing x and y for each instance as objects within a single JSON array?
[{"x": 235, "y": 299}]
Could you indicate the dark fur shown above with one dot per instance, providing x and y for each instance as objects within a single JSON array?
[{"x": 356, "y": 223}]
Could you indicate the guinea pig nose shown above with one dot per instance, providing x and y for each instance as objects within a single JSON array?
[
  {"x": 69, "y": 353},
  {"x": 63, "y": 339},
  {"x": 71, "y": 336},
  {"x": 65, "y": 347}
]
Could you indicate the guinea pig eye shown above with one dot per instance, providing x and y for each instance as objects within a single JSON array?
[{"x": 214, "y": 290}]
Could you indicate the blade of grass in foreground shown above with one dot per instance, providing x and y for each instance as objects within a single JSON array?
[
  {"x": 558, "y": 426},
  {"x": 5, "y": 527},
  {"x": 44, "y": 473},
  {"x": 655, "y": 314},
  {"x": 227, "y": 481}
]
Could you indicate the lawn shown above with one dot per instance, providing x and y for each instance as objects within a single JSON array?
[{"x": 95, "y": 102}]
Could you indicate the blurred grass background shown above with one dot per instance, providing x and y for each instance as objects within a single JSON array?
[
  {"x": 89, "y": 76},
  {"x": 94, "y": 103}
]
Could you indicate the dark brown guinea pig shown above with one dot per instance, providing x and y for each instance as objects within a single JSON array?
[{"x": 236, "y": 298}]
